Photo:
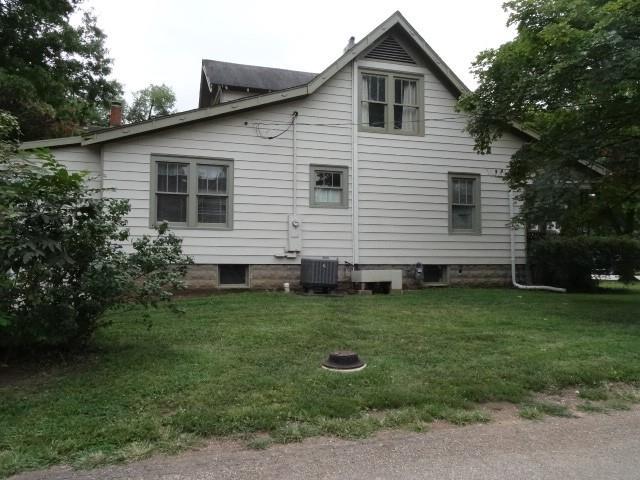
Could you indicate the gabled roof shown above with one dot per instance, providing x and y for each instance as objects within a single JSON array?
[
  {"x": 394, "y": 21},
  {"x": 253, "y": 77}
]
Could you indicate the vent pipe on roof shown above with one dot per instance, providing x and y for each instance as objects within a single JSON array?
[{"x": 352, "y": 42}]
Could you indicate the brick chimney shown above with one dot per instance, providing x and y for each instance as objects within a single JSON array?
[{"x": 115, "y": 117}]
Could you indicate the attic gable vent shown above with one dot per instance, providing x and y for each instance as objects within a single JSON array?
[{"x": 391, "y": 51}]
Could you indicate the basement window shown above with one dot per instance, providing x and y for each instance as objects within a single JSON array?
[
  {"x": 232, "y": 276},
  {"x": 434, "y": 274}
]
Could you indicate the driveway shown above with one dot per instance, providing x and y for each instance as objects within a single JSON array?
[{"x": 595, "y": 446}]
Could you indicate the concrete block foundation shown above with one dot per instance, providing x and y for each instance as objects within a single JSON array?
[{"x": 202, "y": 278}]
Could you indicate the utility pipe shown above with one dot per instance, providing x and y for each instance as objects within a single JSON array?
[
  {"x": 294, "y": 203},
  {"x": 355, "y": 212},
  {"x": 513, "y": 259}
]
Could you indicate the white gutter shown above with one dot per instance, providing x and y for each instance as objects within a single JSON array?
[
  {"x": 355, "y": 211},
  {"x": 513, "y": 259},
  {"x": 51, "y": 142}
]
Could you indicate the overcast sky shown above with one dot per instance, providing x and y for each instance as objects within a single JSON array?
[{"x": 164, "y": 41}]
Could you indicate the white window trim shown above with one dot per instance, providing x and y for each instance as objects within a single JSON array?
[{"x": 192, "y": 191}]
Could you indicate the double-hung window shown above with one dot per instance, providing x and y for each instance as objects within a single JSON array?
[
  {"x": 328, "y": 186},
  {"x": 391, "y": 103},
  {"x": 464, "y": 203},
  {"x": 172, "y": 191},
  {"x": 191, "y": 192},
  {"x": 405, "y": 107},
  {"x": 374, "y": 100},
  {"x": 212, "y": 196}
]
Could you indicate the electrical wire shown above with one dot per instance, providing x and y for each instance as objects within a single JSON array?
[
  {"x": 259, "y": 124},
  {"x": 433, "y": 117},
  {"x": 294, "y": 115}
]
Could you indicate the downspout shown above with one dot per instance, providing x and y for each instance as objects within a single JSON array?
[
  {"x": 101, "y": 170},
  {"x": 294, "y": 227},
  {"x": 513, "y": 258},
  {"x": 355, "y": 211},
  {"x": 294, "y": 203}
]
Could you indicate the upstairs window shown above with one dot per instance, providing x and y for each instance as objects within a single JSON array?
[
  {"x": 191, "y": 192},
  {"x": 464, "y": 203},
  {"x": 391, "y": 103},
  {"x": 406, "y": 107},
  {"x": 374, "y": 102}
]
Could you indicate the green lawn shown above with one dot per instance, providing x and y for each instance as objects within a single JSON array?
[{"x": 247, "y": 365}]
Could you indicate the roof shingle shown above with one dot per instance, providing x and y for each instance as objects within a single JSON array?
[{"x": 250, "y": 76}]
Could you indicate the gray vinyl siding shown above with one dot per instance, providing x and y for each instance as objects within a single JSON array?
[
  {"x": 404, "y": 216},
  {"x": 262, "y": 177},
  {"x": 403, "y": 191},
  {"x": 81, "y": 159},
  {"x": 229, "y": 95}
]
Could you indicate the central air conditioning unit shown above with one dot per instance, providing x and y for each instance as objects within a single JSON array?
[{"x": 319, "y": 274}]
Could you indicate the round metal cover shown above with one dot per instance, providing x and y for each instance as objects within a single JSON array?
[{"x": 344, "y": 361}]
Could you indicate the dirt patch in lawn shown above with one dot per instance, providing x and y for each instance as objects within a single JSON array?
[
  {"x": 578, "y": 401},
  {"x": 572, "y": 402},
  {"x": 501, "y": 411}
]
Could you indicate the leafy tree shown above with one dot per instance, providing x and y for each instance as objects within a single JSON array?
[
  {"x": 65, "y": 258},
  {"x": 572, "y": 74},
  {"x": 151, "y": 102},
  {"x": 571, "y": 262},
  {"x": 9, "y": 133},
  {"x": 53, "y": 75}
]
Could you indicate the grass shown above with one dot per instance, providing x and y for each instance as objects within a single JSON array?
[
  {"x": 604, "y": 407},
  {"x": 537, "y": 410},
  {"x": 246, "y": 365},
  {"x": 598, "y": 392},
  {"x": 607, "y": 398}
]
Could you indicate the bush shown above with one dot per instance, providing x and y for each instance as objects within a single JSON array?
[
  {"x": 63, "y": 258},
  {"x": 570, "y": 262}
]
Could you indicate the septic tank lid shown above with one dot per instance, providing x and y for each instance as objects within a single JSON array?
[{"x": 344, "y": 361}]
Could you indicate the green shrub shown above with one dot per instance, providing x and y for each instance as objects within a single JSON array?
[
  {"x": 65, "y": 257},
  {"x": 570, "y": 262}
]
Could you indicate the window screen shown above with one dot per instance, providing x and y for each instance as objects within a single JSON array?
[{"x": 212, "y": 194}]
